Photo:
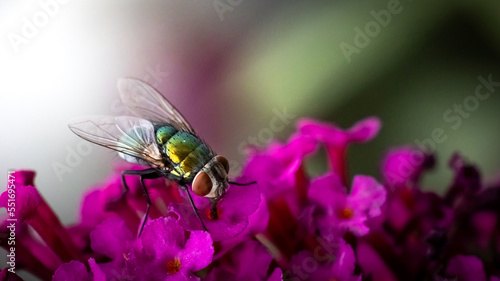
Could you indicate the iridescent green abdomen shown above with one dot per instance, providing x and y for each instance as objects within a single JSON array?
[{"x": 186, "y": 151}]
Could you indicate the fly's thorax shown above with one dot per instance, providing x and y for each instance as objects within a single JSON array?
[
  {"x": 211, "y": 180},
  {"x": 185, "y": 151},
  {"x": 164, "y": 133}
]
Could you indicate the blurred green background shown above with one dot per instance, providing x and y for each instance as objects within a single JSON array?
[
  {"x": 411, "y": 74},
  {"x": 230, "y": 65}
]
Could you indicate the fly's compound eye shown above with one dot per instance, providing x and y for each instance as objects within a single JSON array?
[
  {"x": 224, "y": 163},
  {"x": 202, "y": 184}
]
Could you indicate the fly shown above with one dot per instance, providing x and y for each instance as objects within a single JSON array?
[{"x": 160, "y": 138}]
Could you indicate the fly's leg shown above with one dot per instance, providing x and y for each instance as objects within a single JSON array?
[
  {"x": 143, "y": 174},
  {"x": 135, "y": 173},
  {"x": 194, "y": 207},
  {"x": 148, "y": 200}
]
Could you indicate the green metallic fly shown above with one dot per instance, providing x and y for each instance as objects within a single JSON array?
[{"x": 160, "y": 138}]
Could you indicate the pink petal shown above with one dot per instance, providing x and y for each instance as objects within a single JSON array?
[
  {"x": 73, "y": 270},
  {"x": 198, "y": 251},
  {"x": 367, "y": 194},
  {"x": 96, "y": 271},
  {"x": 466, "y": 268},
  {"x": 277, "y": 275},
  {"x": 111, "y": 238}
]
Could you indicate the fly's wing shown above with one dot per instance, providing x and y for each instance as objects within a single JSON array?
[
  {"x": 146, "y": 102},
  {"x": 132, "y": 137}
]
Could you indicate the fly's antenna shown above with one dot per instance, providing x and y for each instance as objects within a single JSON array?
[{"x": 242, "y": 184}]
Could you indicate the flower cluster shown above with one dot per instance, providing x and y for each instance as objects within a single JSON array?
[
  {"x": 423, "y": 236},
  {"x": 288, "y": 226}
]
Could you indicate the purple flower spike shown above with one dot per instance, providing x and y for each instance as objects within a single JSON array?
[
  {"x": 336, "y": 140},
  {"x": 233, "y": 209},
  {"x": 288, "y": 226},
  {"x": 163, "y": 252},
  {"x": 339, "y": 211}
]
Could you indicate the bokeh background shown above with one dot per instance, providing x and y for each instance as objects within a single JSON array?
[{"x": 235, "y": 68}]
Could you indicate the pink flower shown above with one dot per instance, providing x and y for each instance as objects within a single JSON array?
[
  {"x": 337, "y": 140},
  {"x": 335, "y": 211},
  {"x": 403, "y": 166},
  {"x": 164, "y": 252},
  {"x": 233, "y": 212}
]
